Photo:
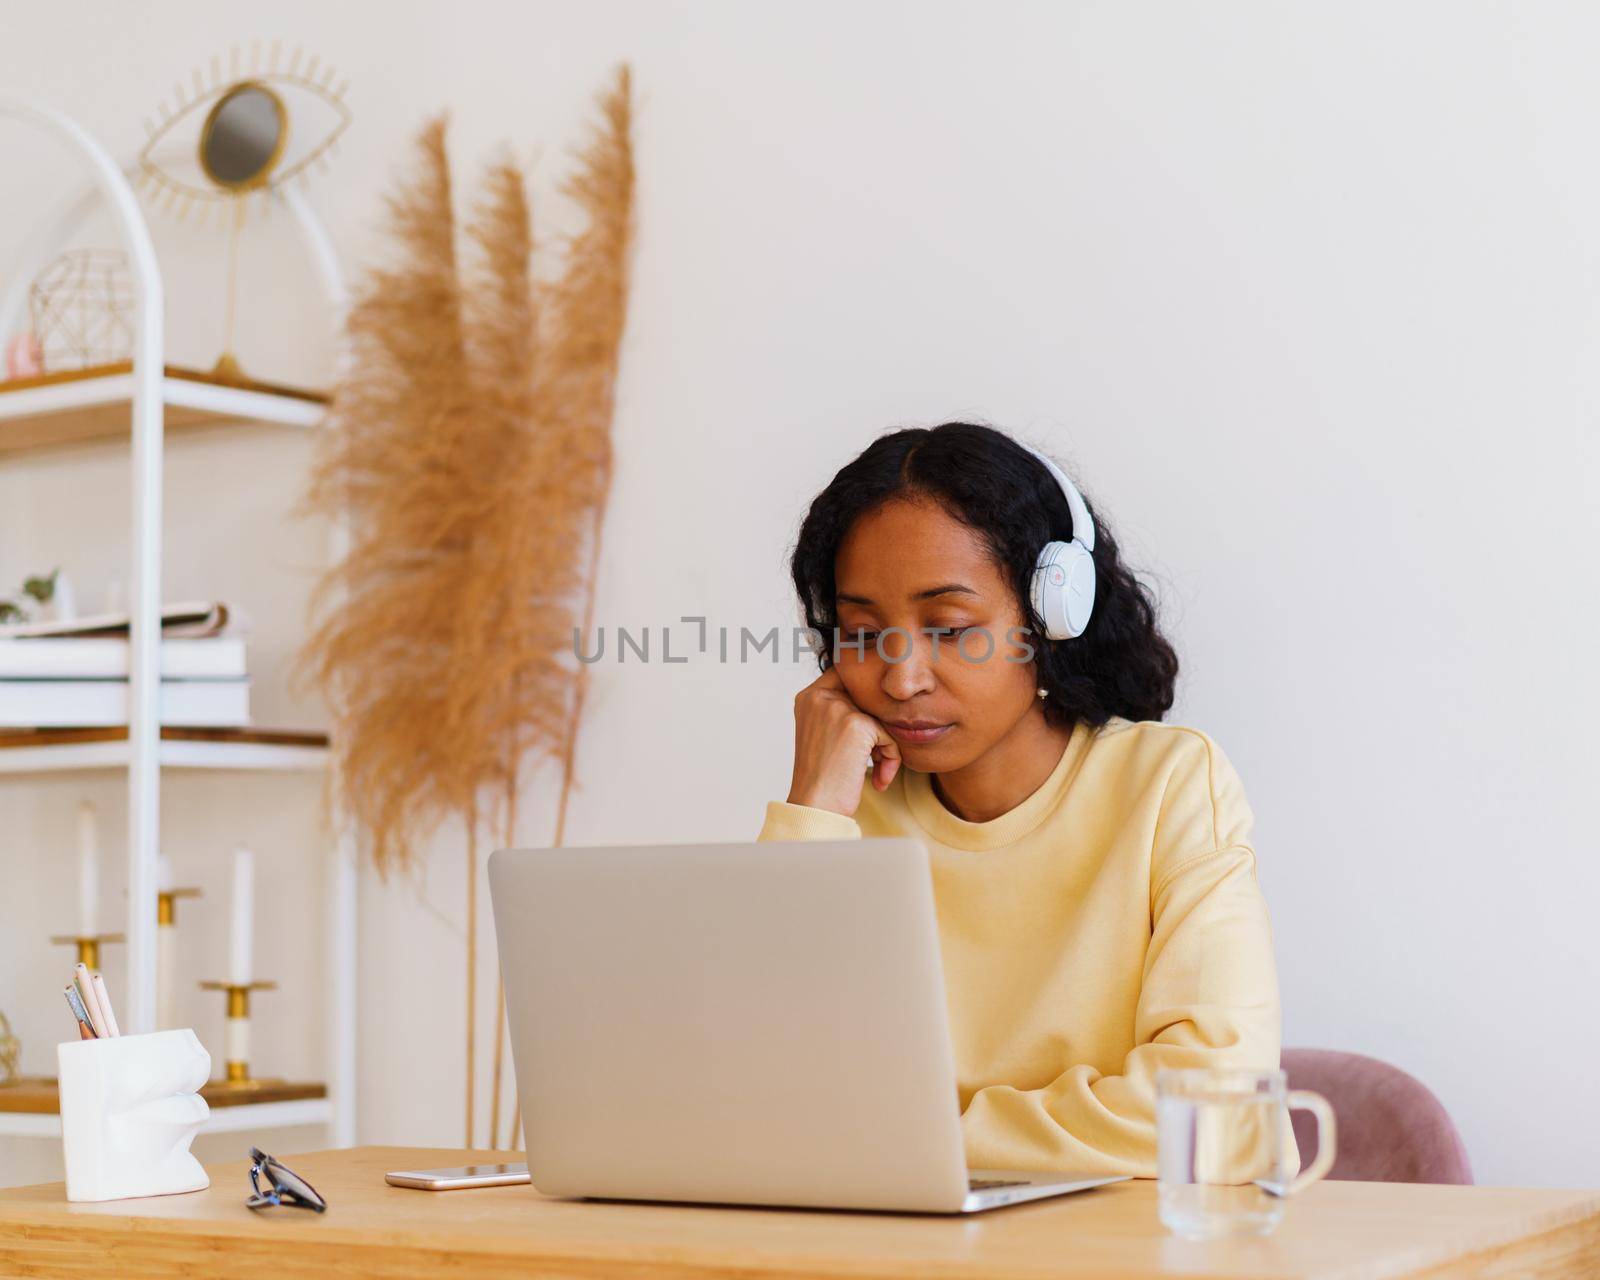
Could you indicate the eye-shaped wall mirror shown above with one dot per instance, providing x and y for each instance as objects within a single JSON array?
[
  {"x": 245, "y": 148},
  {"x": 244, "y": 136}
]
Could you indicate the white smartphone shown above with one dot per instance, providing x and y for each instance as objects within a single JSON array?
[{"x": 468, "y": 1175}]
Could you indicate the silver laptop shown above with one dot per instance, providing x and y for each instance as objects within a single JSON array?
[{"x": 759, "y": 1023}]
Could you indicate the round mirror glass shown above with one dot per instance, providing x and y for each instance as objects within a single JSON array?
[{"x": 243, "y": 136}]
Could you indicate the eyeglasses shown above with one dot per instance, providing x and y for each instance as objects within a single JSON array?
[{"x": 287, "y": 1186}]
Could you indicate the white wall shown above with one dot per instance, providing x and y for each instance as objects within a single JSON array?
[{"x": 1305, "y": 294}]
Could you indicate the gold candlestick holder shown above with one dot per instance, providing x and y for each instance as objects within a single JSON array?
[
  {"x": 237, "y": 1059},
  {"x": 88, "y": 946},
  {"x": 166, "y": 904}
]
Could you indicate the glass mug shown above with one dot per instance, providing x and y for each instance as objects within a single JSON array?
[{"x": 1223, "y": 1149}]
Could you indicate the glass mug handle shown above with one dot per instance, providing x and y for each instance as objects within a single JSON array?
[{"x": 1306, "y": 1100}]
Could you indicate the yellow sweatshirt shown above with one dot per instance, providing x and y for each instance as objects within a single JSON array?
[{"x": 1108, "y": 926}]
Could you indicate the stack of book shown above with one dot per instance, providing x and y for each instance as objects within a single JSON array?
[{"x": 75, "y": 673}]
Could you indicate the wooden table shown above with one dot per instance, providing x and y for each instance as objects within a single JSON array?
[{"x": 1343, "y": 1229}]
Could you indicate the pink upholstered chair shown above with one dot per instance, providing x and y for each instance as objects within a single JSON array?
[{"x": 1391, "y": 1127}]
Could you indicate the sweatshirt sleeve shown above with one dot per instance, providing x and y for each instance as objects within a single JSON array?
[
  {"x": 1208, "y": 998},
  {"x": 787, "y": 821}
]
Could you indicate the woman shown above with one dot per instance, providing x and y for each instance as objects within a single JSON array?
[{"x": 1099, "y": 914}]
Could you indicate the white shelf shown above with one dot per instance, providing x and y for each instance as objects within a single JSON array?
[
  {"x": 87, "y": 405},
  {"x": 268, "y": 1115},
  {"x": 172, "y": 754},
  {"x": 29, "y": 1124},
  {"x": 237, "y": 404},
  {"x": 255, "y": 1115}
]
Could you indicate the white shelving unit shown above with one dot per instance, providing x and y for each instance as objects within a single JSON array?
[
  {"x": 138, "y": 402},
  {"x": 179, "y": 754}
]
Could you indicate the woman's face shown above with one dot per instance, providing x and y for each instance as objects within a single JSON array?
[{"x": 910, "y": 565}]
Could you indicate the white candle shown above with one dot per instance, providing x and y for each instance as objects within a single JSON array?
[
  {"x": 164, "y": 874},
  {"x": 243, "y": 910},
  {"x": 166, "y": 959},
  {"x": 88, "y": 871},
  {"x": 236, "y": 1040}
]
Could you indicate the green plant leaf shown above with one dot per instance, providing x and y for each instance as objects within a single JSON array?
[{"x": 42, "y": 589}]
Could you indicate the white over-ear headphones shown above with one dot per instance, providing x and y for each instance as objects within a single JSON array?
[{"x": 1062, "y": 592}]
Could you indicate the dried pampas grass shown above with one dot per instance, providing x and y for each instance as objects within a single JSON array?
[{"x": 469, "y": 451}]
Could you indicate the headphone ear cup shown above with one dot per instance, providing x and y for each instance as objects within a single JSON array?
[
  {"x": 1080, "y": 590},
  {"x": 1049, "y": 581},
  {"x": 1062, "y": 591}
]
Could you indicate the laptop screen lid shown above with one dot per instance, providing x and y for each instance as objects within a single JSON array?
[{"x": 757, "y": 1023}]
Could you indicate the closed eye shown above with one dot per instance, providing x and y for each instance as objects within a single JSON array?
[{"x": 863, "y": 636}]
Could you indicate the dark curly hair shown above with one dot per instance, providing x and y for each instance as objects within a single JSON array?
[{"x": 1120, "y": 666}]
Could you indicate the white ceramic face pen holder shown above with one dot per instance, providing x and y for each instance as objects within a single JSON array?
[{"x": 130, "y": 1107}]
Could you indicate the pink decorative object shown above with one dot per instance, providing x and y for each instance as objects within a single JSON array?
[{"x": 24, "y": 359}]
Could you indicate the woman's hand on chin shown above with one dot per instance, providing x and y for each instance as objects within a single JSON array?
[{"x": 834, "y": 743}]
